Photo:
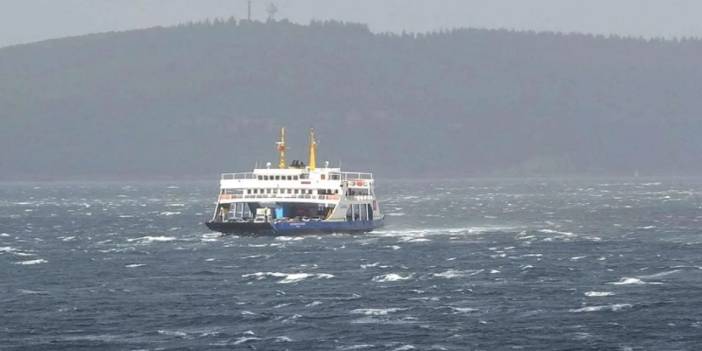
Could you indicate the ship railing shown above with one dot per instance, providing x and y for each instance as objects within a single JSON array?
[
  {"x": 227, "y": 197},
  {"x": 238, "y": 176},
  {"x": 356, "y": 175},
  {"x": 361, "y": 197}
]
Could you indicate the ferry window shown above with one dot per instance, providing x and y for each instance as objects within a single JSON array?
[
  {"x": 297, "y": 191},
  {"x": 248, "y": 191},
  {"x": 324, "y": 176},
  {"x": 268, "y": 191},
  {"x": 265, "y": 177},
  {"x": 259, "y": 178},
  {"x": 335, "y": 177},
  {"x": 294, "y": 177},
  {"x": 289, "y": 191},
  {"x": 305, "y": 176},
  {"x": 336, "y": 191}
]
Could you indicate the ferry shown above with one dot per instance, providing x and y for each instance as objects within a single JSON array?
[{"x": 296, "y": 199}]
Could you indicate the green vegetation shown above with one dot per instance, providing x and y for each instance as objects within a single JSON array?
[{"x": 198, "y": 99}]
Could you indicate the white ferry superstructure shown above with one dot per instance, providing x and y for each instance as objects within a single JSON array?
[{"x": 296, "y": 199}]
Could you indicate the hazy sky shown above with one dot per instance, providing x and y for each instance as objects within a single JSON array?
[{"x": 23, "y": 21}]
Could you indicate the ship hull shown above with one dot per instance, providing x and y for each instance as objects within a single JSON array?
[
  {"x": 241, "y": 228},
  {"x": 295, "y": 228}
]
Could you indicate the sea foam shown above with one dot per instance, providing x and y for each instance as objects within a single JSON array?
[
  {"x": 598, "y": 293},
  {"x": 376, "y": 311},
  {"x": 391, "y": 277},
  {"x": 612, "y": 308},
  {"x": 632, "y": 281},
  {"x": 452, "y": 273},
  {"x": 32, "y": 262},
  {"x": 151, "y": 239},
  {"x": 288, "y": 277}
]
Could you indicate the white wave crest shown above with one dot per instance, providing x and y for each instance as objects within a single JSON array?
[
  {"x": 32, "y": 292},
  {"x": 135, "y": 265},
  {"x": 151, "y": 239},
  {"x": 551, "y": 231},
  {"x": 411, "y": 239},
  {"x": 598, "y": 293},
  {"x": 211, "y": 237},
  {"x": 463, "y": 309},
  {"x": 313, "y": 303},
  {"x": 658, "y": 275},
  {"x": 31, "y": 262},
  {"x": 376, "y": 311},
  {"x": 290, "y": 238},
  {"x": 421, "y": 232},
  {"x": 288, "y": 277},
  {"x": 452, "y": 273},
  {"x": 283, "y": 338},
  {"x": 613, "y": 308},
  {"x": 179, "y": 334},
  {"x": 245, "y": 339},
  {"x": 355, "y": 347},
  {"x": 632, "y": 281},
  {"x": 391, "y": 277}
]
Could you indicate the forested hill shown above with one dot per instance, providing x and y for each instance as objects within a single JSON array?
[{"x": 199, "y": 99}]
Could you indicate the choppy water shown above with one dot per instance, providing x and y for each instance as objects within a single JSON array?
[{"x": 483, "y": 265}]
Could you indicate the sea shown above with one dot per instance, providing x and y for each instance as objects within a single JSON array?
[{"x": 473, "y": 264}]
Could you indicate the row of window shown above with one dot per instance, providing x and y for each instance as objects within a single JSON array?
[
  {"x": 280, "y": 191},
  {"x": 282, "y": 177},
  {"x": 295, "y": 177}
]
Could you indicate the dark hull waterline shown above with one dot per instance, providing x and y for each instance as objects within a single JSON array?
[{"x": 294, "y": 228}]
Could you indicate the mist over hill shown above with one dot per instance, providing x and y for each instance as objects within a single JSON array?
[{"x": 200, "y": 99}]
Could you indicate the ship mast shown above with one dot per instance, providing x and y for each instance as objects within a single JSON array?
[
  {"x": 281, "y": 149},
  {"x": 313, "y": 151}
]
